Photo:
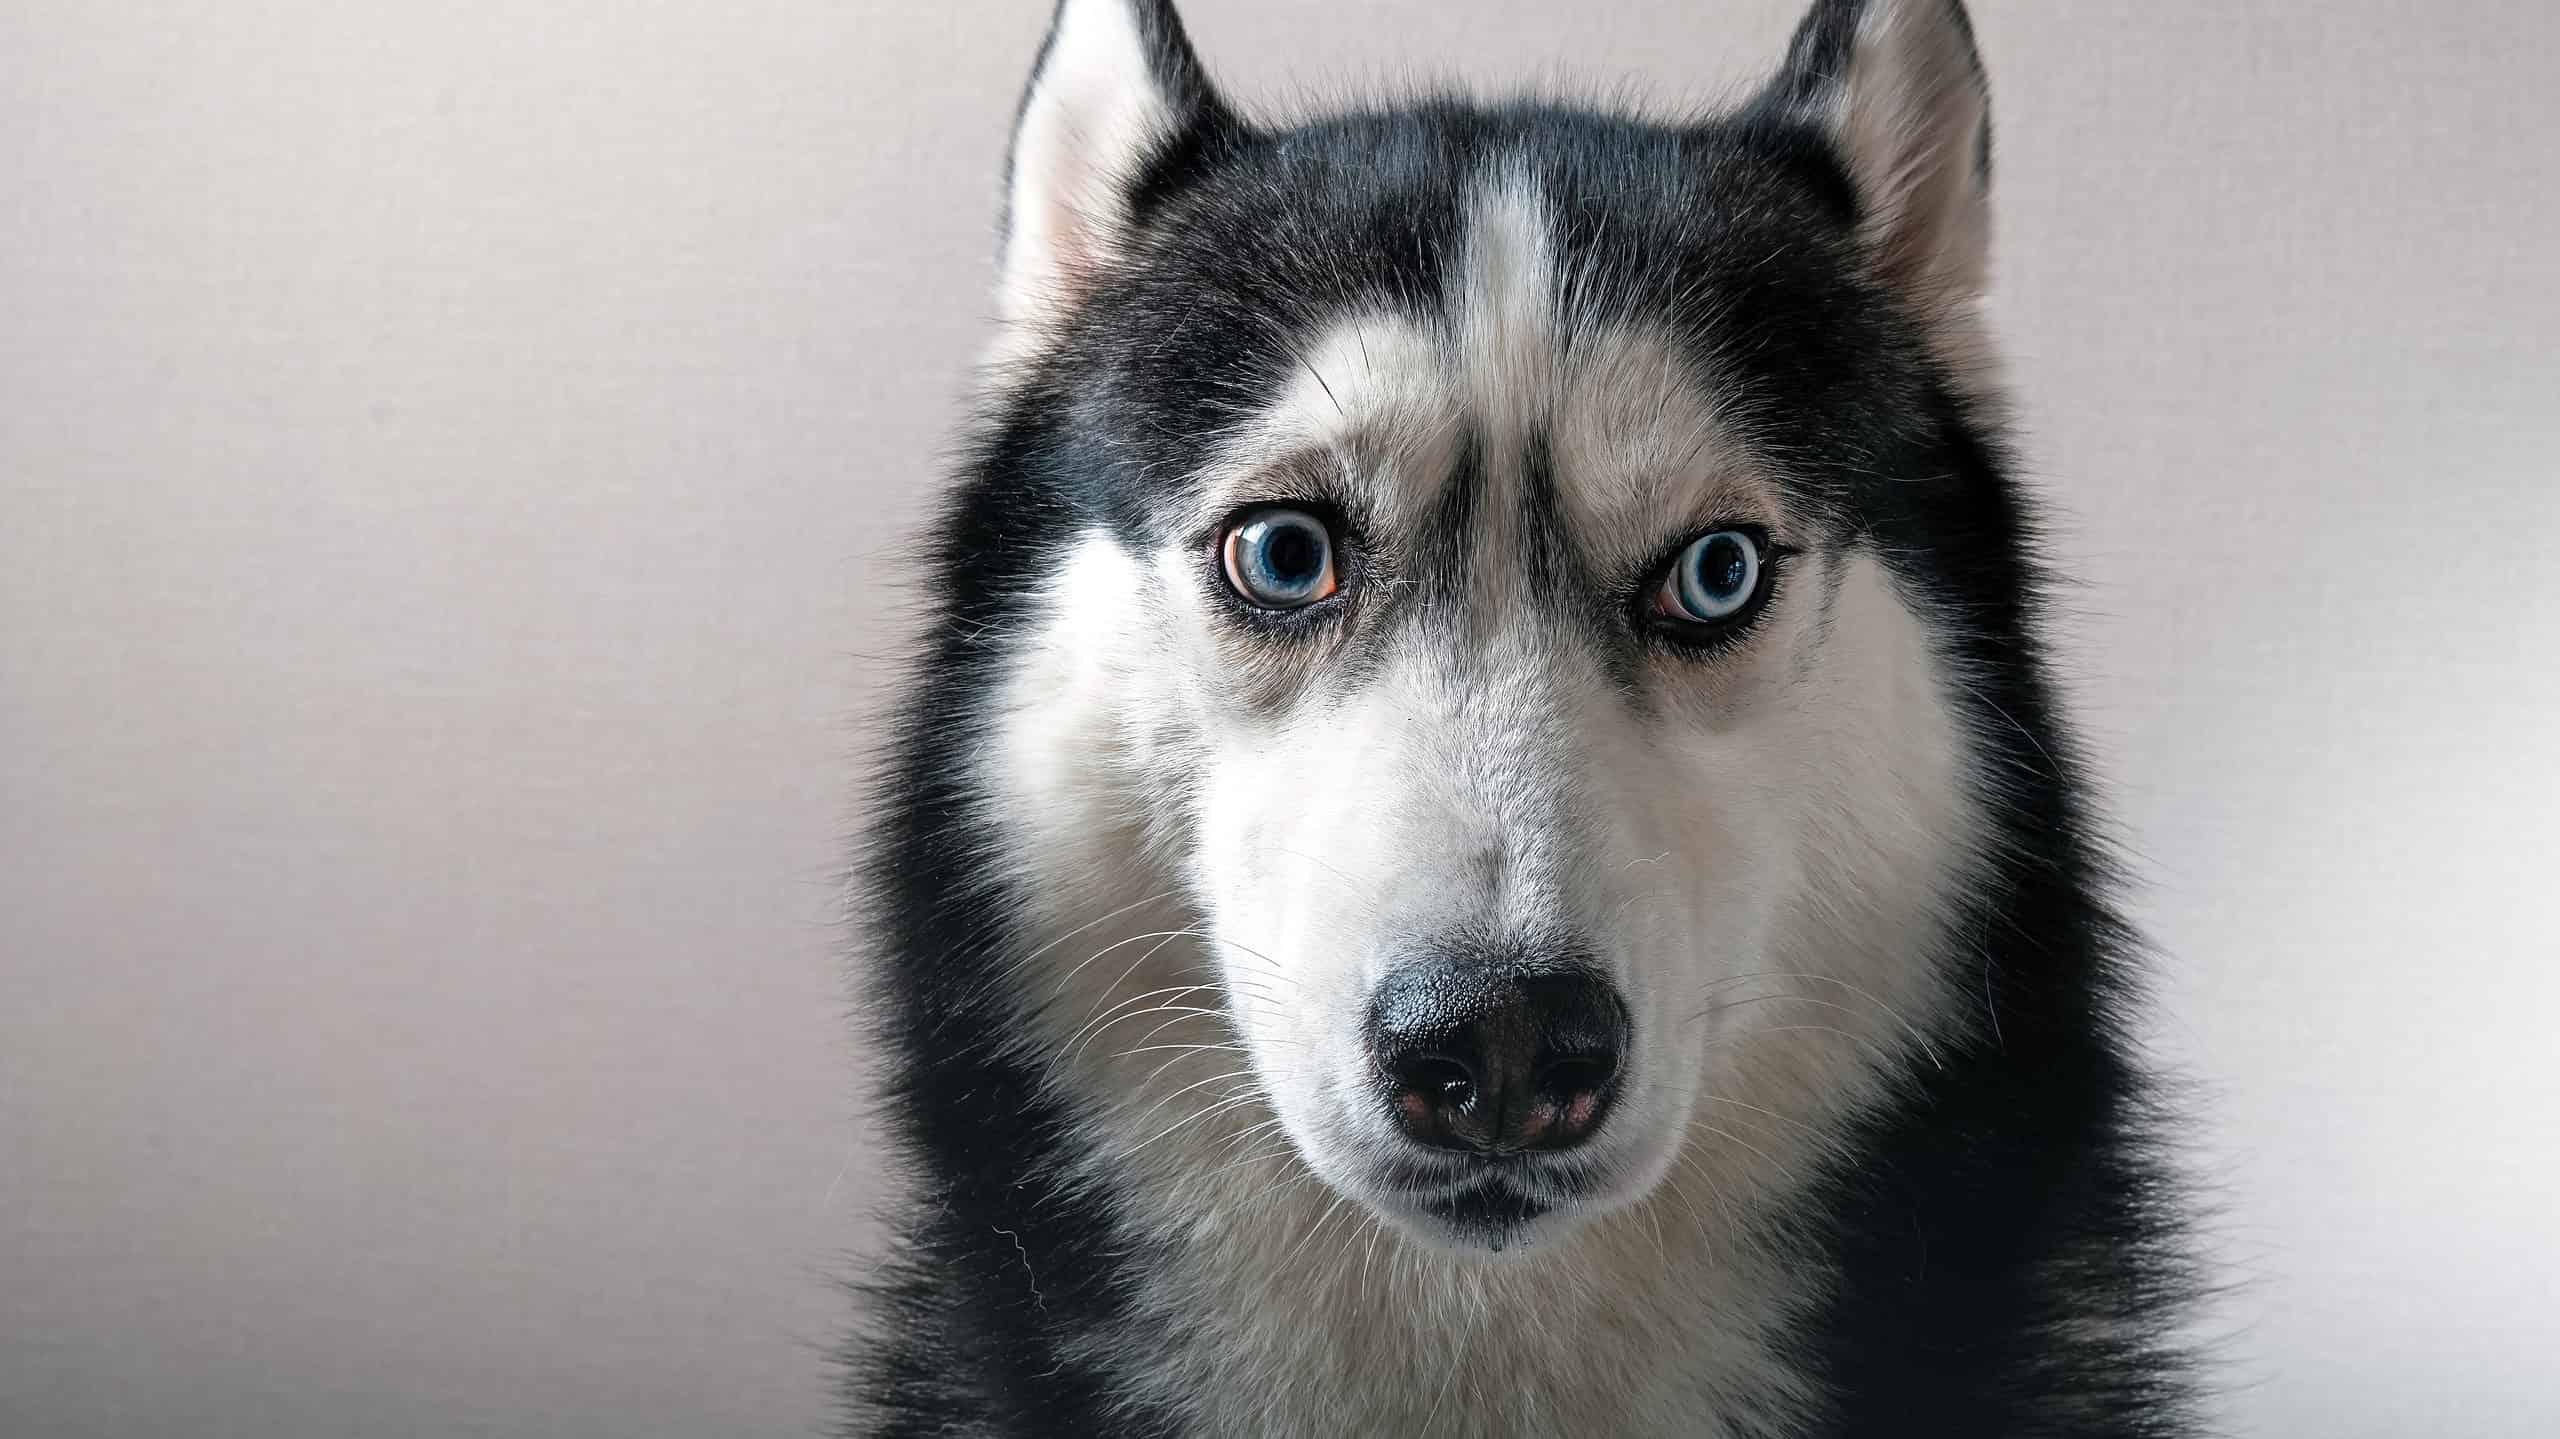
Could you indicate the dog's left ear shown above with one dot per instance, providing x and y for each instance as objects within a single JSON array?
[
  {"x": 1897, "y": 88},
  {"x": 1116, "y": 94}
]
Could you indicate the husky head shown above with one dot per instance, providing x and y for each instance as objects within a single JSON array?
[{"x": 1466, "y": 587}]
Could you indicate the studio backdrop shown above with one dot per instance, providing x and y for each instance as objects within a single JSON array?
[{"x": 452, "y": 465}]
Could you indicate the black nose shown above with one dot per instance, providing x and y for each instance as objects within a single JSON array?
[{"x": 1488, "y": 1056}]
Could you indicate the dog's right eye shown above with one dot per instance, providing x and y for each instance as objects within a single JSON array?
[
  {"x": 1280, "y": 559},
  {"x": 1713, "y": 581}
]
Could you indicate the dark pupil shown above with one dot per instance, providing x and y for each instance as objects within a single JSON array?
[
  {"x": 1722, "y": 567},
  {"x": 1289, "y": 555}
]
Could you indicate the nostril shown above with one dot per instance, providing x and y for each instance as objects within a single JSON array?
[
  {"x": 1438, "y": 1100},
  {"x": 1439, "y": 1080},
  {"x": 1566, "y": 1078},
  {"x": 1573, "y": 1094}
]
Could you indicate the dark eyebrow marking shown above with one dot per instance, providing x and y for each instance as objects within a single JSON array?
[
  {"x": 1441, "y": 547},
  {"x": 1546, "y": 537}
]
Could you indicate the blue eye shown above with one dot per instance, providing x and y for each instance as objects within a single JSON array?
[
  {"x": 1714, "y": 579},
  {"x": 1281, "y": 559}
]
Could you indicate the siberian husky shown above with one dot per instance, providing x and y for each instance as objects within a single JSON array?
[{"x": 1480, "y": 842}]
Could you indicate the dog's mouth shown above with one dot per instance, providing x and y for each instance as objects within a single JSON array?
[
  {"x": 1493, "y": 1210},
  {"x": 1498, "y": 1205}
]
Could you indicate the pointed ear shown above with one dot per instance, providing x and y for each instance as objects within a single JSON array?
[
  {"x": 1116, "y": 90},
  {"x": 1897, "y": 88}
]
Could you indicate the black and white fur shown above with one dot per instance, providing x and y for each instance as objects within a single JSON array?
[{"x": 1878, "y": 1162}]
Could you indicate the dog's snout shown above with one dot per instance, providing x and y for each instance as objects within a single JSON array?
[{"x": 1497, "y": 1059}]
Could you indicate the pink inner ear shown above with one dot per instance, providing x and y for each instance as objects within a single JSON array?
[
  {"x": 1909, "y": 121},
  {"x": 1095, "y": 107}
]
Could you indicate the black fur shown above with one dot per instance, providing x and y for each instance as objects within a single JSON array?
[{"x": 2012, "y": 1190}]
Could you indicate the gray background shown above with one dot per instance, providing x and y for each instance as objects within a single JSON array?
[{"x": 448, "y": 455}]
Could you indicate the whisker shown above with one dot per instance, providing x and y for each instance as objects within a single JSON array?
[
  {"x": 1175, "y": 1009},
  {"x": 1230, "y": 1046},
  {"x": 1162, "y": 937},
  {"x": 1756, "y": 1109},
  {"x": 1734, "y": 1138},
  {"x": 1186, "y": 1089},
  {"x": 1313, "y": 1230},
  {"x": 1094, "y": 1027},
  {"x": 1715, "y": 1196},
  {"x": 1033, "y": 957},
  {"x": 1896, "y": 1014},
  {"x": 1257, "y": 1157},
  {"x": 1853, "y": 1038}
]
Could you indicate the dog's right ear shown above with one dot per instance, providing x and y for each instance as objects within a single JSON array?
[
  {"x": 1896, "y": 88},
  {"x": 1114, "y": 96}
]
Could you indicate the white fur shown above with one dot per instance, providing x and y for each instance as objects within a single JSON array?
[
  {"x": 1221, "y": 868},
  {"x": 1093, "y": 113},
  {"x": 1908, "y": 115}
]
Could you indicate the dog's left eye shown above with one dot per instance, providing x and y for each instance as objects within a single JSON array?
[
  {"x": 1280, "y": 559},
  {"x": 1713, "y": 581}
]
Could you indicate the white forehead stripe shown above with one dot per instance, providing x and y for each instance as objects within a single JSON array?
[
  {"x": 1494, "y": 359},
  {"x": 1633, "y": 431},
  {"x": 1504, "y": 309}
]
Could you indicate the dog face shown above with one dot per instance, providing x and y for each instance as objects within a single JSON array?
[{"x": 1483, "y": 561}]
